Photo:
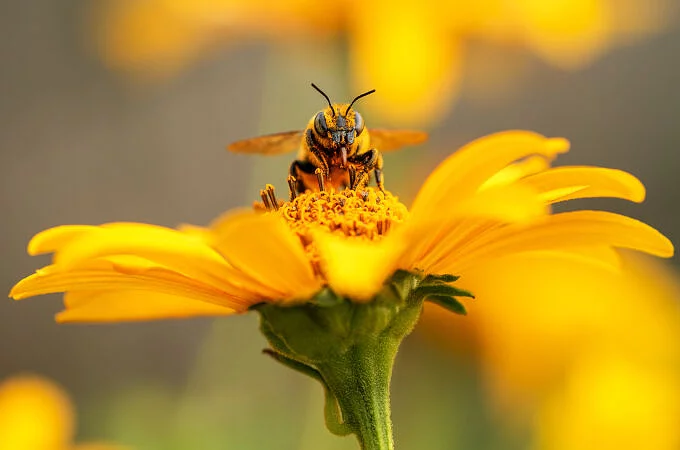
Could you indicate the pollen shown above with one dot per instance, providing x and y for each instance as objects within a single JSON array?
[{"x": 367, "y": 213}]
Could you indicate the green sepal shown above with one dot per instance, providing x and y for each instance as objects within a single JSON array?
[
  {"x": 403, "y": 283},
  {"x": 292, "y": 364},
  {"x": 441, "y": 289},
  {"x": 331, "y": 408},
  {"x": 326, "y": 298},
  {"x": 437, "y": 279},
  {"x": 449, "y": 303}
]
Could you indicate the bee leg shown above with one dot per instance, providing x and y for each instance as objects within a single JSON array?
[
  {"x": 361, "y": 180},
  {"x": 352, "y": 171},
  {"x": 367, "y": 162},
  {"x": 317, "y": 154},
  {"x": 379, "y": 177},
  {"x": 292, "y": 186},
  {"x": 295, "y": 181}
]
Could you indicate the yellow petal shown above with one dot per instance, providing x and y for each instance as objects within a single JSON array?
[
  {"x": 505, "y": 203},
  {"x": 516, "y": 171},
  {"x": 134, "y": 305},
  {"x": 34, "y": 415},
  {"x": 598, "y": 257},
  {"x": 224, "y": 221},
  {"x": 264, "y": 248},
  {"x": 125, "y": 273},
  {"x": 436, "y": 241},
  {"x": 565, "y": 231},
  {"x": 357, "y": 268},
  {"x": 53, "y": 239},
  {"x": 220, "y": 236},
  {"x": 438, "y": 233},
  {"x": 603, "y": 257},
  {"x": 462, "y": 174},
  {"x": 167, "y": 247},
  {"x": 588, "y": 182},
  {"x": 555, "y": 195}
]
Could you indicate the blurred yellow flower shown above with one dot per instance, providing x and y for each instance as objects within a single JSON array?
[
  {"x": 35, "y": 414},
  {"x": 587, "y": 358},
  {"x": 478, "y": 206},
  {"x": 412, "y": 52},
  {"x": 611, "y": 402}
]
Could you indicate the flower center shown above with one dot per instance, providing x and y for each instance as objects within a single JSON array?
[
  {"x": 362, "y": 214},
  {"x": 365, "y": 214}
]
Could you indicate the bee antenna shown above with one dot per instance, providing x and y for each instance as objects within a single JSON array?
[
  {"x": 357, "y": 98},
  {"x": 325, "y": 96}
]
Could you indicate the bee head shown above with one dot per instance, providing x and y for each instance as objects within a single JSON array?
[{"x": 339, "y": 123}]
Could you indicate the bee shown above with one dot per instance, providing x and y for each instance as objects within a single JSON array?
[{"x": 335, "y": 150}]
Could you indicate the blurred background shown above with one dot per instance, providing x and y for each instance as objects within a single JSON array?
[{"x": 120, "y": 110}]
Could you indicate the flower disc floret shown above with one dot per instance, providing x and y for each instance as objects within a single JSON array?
[{"x": 367, "y": 214}]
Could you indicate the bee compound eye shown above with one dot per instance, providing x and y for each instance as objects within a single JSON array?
[
  {"x": 358, "y": 123},
  {"x": 320, "y": 124}
]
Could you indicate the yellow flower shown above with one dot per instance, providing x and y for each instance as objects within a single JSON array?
[
  {"x": 587, "y": 358},
  {"x": 488, "y": 200},
  {"x": 423, "y": 41},
  {"x": 35, "y": 414},
  {"x": 611, "y": 402}
]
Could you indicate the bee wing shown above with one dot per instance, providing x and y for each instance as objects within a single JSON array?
[
  {"x": 270, "y": 144},
  {"x": 387, "y": 140}
]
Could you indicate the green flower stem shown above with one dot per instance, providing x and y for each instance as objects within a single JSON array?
[
  {"x": 360, "y": 381},
  {"x": 350, "y": 347}
]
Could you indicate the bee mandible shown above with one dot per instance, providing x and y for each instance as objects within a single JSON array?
[{"x": 335, "y": 150}]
